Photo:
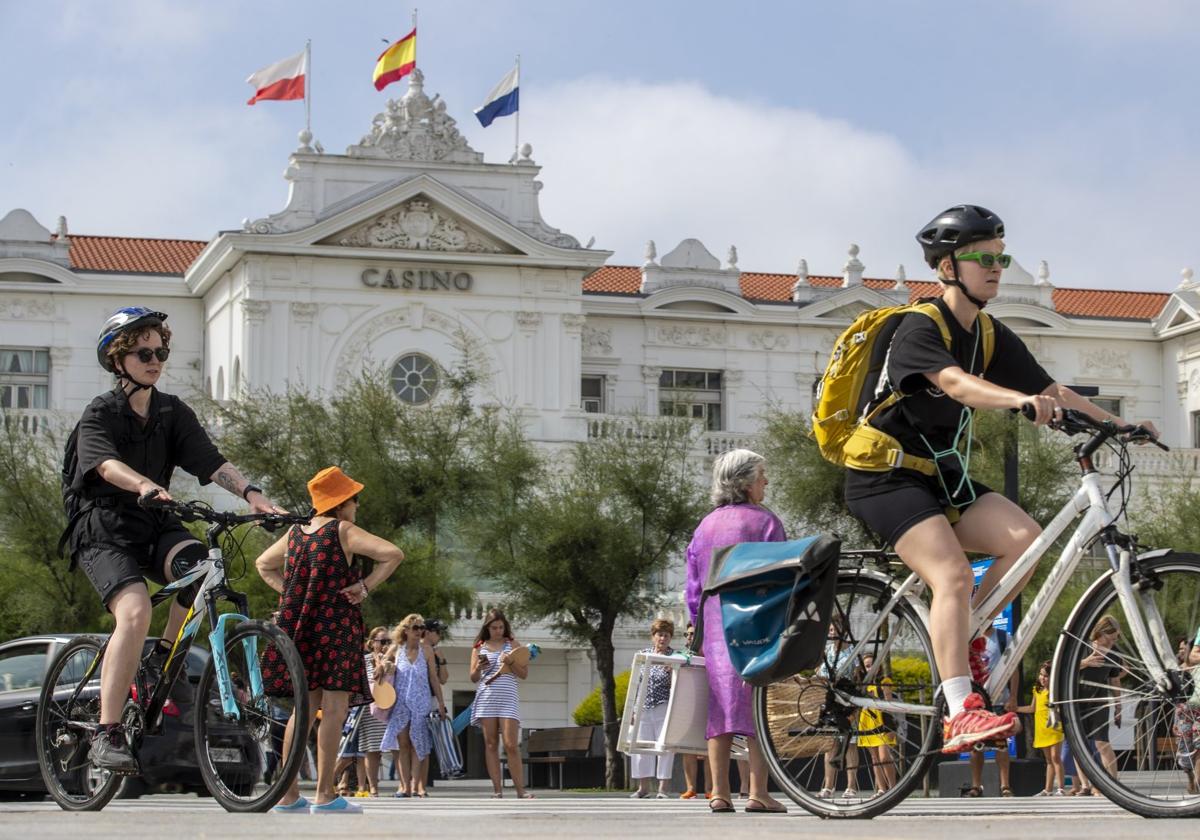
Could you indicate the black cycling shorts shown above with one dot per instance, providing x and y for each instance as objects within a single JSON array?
[
  {"x": 112, "y": 560},
  {"x": 889, "y": 503}
]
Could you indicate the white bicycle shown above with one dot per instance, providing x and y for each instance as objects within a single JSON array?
[{"x": 874, "y": 712}]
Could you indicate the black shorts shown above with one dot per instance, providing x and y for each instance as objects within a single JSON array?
[
  {"x": 119, "y": 546},
  {"x": 889, "y": 503}
]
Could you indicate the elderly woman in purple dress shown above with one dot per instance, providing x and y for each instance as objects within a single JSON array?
[{"x": 738, "y": 487}]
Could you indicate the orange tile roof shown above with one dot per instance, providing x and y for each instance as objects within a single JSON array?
[
  {"x": 1079, "y": 303},
  {"x": 130, "y": 255}
]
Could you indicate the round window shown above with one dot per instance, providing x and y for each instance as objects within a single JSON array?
[{"x": 415, "y": 378}]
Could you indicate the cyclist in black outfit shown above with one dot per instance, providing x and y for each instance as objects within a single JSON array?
[
  {"x": 931, "y": 520},
  {"x": 130, "y": 440}
]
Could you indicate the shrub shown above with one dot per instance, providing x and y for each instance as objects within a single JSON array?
[{"x": 589, "y": 711}]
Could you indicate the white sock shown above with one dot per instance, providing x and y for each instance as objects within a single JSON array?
[{"x": 955, "y": 691}]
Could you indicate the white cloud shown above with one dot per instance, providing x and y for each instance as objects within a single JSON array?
[
  {"x": 148, "y": 25},
  {"x": 628, "y": 161}
]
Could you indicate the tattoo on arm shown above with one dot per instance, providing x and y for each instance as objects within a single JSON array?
[{"x": 229, "y": 478}]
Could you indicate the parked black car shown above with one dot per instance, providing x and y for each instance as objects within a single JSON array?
[{"x": 168, "y": 760}]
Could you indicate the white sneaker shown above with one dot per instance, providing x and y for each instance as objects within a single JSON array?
[{"x": 637, "y": 794}]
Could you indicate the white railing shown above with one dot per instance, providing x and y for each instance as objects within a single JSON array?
[
  {"x": 1152, "y": 462},
  {"x": 617, "y": 425},
  {"x": 33, "y": 420}
]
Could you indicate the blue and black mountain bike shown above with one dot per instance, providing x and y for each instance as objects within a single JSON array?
[{"x": 251, "y": 687}]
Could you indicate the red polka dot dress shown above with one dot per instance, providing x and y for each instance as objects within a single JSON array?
[{"x": 326, "y": 628}]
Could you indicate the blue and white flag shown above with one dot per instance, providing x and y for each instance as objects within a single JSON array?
[{"x": 503, "y": 100}]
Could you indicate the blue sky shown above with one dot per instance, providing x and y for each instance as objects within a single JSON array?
[{"x": 789, "y": 129}]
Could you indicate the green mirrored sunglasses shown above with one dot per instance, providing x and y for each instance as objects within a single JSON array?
[{"x": 985, "y": 259}]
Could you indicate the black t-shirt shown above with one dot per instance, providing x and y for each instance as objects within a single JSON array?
[
  {"x": 170, "y": 437},
  {"x": 918, "y": 348}
]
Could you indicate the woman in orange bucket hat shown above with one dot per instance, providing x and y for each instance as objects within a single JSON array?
[{"x": 313, "y": 569}]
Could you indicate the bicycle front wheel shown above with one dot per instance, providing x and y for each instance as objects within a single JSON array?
[
  {"x": 839, "y": 761},
  {"x": 1134, "y": 741},
  {"x": 68, "y": 713},
  {"x": 246, "y": 755}
]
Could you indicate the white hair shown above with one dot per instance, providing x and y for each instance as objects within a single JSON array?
[{"x": 733, "y": 473}]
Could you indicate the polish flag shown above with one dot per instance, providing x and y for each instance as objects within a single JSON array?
[{"x": 282, "y": 80}]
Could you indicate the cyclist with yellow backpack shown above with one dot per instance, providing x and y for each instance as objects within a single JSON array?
[{"x": 896, "y": 406}]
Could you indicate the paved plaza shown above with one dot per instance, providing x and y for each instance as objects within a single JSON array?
[{"x": 467, "y": 810}]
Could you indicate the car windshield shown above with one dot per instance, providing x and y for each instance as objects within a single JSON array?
[{"x": 22, "y": 668}]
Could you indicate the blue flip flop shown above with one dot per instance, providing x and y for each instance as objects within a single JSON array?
[{"x": 300, "y": 806}]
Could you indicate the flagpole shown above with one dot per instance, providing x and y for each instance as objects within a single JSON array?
[
  {"x": 517, "y": 139},
  {"x": 308, "y": 86},
  {"x": 414, "y": 39}
]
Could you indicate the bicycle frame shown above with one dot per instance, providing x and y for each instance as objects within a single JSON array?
[{"x": 1151, "y": 642}]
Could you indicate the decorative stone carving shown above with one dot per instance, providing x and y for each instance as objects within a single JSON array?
[
  {"x": 1106, "y": 362},
  {"x": 416, "y": 226},
  {"x": 256, "y": 310},
  {"x": 18, "y": 309},
  {"x": 574, "y": 323},
  {"x": 651, "y": 253},
  {"x": 852, "y": 271},
  {"x": 358, "y": 347},
  {"x": 732, "y": 376},
  {"x": 529, "y": 320},
  {"x": 59, "y": 357},
  {"x": 304, "y": 311},
  {"x": 768, "y": 340},
  {"x": 438, "y": 321},
  {"x": 1194, "y": 382},
  {"x": 732, "y": 259},
  {"x": 1181, "y": 388},
  {"x": 597, "y": 341},
  {"x": 415, "y": 127},
  {"x": 692, "y": 335},
  {"x": 650, "y": 374}
]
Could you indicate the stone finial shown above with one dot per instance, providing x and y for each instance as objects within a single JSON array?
[
  {"x": 60, "y": 230},
  {"x": 1186, "y": 277},
  {"x": 733, "y": 257},
  {"x": 305, "y": 137},
  {"x": 901, "y": 276},
  {"x": 651, "y": 253},
  {"x": 1043, "y": 274},
  {"x": 802, "y": 273},
  {"x": 852, "y": 271},
  {"x": 416, "y": 128},
  {"x": 526, "y": 153}
]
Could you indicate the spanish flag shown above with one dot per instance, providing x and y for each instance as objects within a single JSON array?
[{"x": 397, "y": 61}]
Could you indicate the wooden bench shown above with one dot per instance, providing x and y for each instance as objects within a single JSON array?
[{"x": 557, "y": 747}]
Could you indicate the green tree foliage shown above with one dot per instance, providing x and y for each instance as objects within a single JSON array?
[
  {"x": 419, "y": 465},
  {"x": 578, "y": 539},
  {"x": 590, "y": 711},
  {"x": 39, "y": 593}
]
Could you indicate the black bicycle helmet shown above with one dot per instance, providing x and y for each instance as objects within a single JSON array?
[
  {"x": 960, "y": 225},
  {"x": 129, "y": 318}
]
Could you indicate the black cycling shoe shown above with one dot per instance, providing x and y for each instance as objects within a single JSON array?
[{"x": 110, "y": 752}]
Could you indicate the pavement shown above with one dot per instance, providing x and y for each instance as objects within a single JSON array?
[{"x": 466, "y": 809}]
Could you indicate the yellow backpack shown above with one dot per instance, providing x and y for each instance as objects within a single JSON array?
[{"x": 844, "y": 408}]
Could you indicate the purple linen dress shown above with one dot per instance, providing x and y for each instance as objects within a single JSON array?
[{"x": 729, "y": 698}]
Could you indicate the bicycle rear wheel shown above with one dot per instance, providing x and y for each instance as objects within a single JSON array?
[
  {"x": 68, "y": 713},
  {"x": 242, "y": 757},
  {"x": 1132, "y": 739},
  {"x": 813, "y": 744}
]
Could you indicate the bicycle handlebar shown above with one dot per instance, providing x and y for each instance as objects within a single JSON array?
[
  {"x": 203, "y": 512},
  {"x": 1075, "y": 422}
]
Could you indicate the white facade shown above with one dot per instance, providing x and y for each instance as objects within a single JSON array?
[{"x": 409, "y": 243}]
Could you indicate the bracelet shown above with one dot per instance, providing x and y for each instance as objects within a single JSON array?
[
  {"x": 250, "y": 488},
  {"x": 366, "y": 591}
]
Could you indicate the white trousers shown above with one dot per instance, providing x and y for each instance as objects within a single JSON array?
[{"x": 644, "y": 765}]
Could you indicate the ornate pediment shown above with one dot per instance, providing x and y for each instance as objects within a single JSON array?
[
  {"x": 416, "y": 127},
  {"x": 419, "y": 225}
]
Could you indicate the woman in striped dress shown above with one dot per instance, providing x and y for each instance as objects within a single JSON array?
[
  {"x": 370, "y": 728},
  {"x": 496, "y": 709}
]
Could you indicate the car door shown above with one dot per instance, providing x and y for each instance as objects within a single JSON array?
[{"x": 22, "y": 666}]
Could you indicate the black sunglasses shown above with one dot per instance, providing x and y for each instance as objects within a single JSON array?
[
  {"x": 380, "y": 639},
  {"x": 145, "y": 354}
]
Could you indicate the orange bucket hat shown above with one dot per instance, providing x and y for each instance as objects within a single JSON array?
[{"x": 330, "y": 487}]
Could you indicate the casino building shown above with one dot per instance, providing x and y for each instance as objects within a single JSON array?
[{"x": 389, "y": 252}]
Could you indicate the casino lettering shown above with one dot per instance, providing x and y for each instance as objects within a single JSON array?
[{"x": 419, "y": 280}]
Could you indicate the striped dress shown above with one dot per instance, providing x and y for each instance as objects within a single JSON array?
[
  {"x": 498, "y": 700},
  {"x": 370, "y": 728}
]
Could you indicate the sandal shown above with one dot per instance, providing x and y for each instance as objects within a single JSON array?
[
  {"x": 973, "y": 792},
  {"x": 1086, "y": 790},
  {"x": 719, "y": 805},
  {"x": 526, "y": 795},
  {"x": 497, "y": 796},
  {"x": 754, "y": 806},
  {"x": 1006, "y": 791}
]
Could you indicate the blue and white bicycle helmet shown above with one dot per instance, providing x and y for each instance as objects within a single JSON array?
[{"x": 129, "y": 318}]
